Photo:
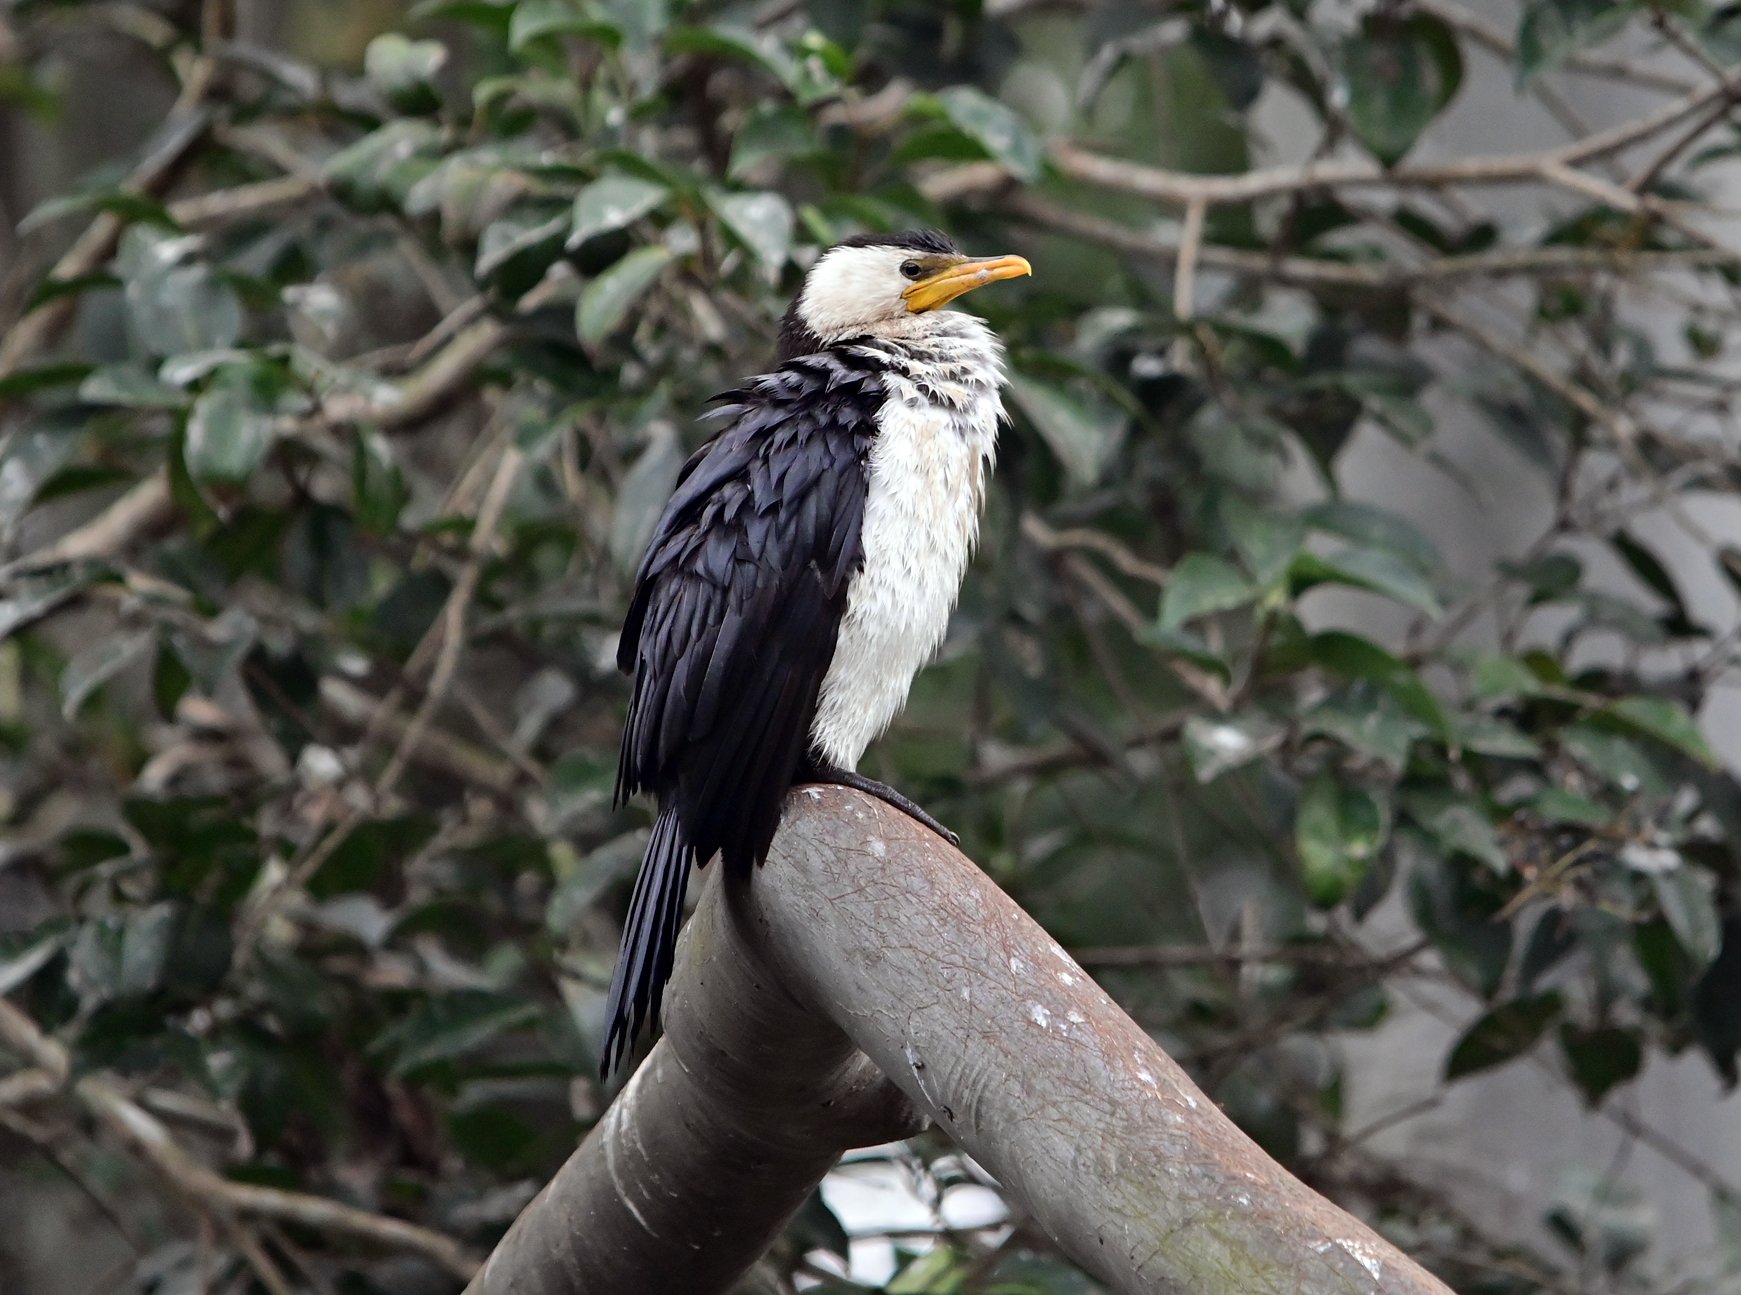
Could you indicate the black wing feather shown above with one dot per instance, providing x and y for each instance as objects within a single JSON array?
[{"x": 730, "y": 633}]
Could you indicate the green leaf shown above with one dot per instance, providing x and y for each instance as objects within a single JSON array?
[
  {"x": 1396, "y": 75},
  {"x": 1378, "y": 571},
  {"x": 1201, "y": 584},
  {"x": 939, "y": 1271},
  {"x": 770, "y": 131},
  {"x": 1618, "y": 759},
  {"x": 128, "y": 205},
  {"x": 1648, "y": 568},
  {"x": 1353, "y": 657},
  {"x": 43, "y": 378},
  {"x": 1456, "y": 825},
  {"x": 1369, "y": 719},
  {"x": 1189, "y": 646},
  {"x": 608, "y": 298},
  {"x": 1458, "y": 908},
  {"x": 1216, "y": 746},
  {"x": 1504, "y": 1034},
  {"x": 31, "y": 458},
  {"x": 131, "y": 387},
  {"x": 1548, "y": 578},
  {"x": 378, "y": 171},
  {"x": 229, "y": 432},
  {"x": 403, "y": 70},
  {"x": 586, "y": 880},
  {"x": 90, "y": 669},
  {"x": 762, "y": 222},
  {"x": 1495, "y": 677},
  {"x": 646, "y": 486},
  {"x": 1558, "y": 805},
  {"x": 1082, "y": 431},
  {"x": 450, "y": 1026},
  {"x": 1685, "y": 896},
  {"x": 1376, "y": 528},
  {"x": 1551, "y": 31},
  {"x": 1267, "y": 540},
  {"x": 506, "y": 238},
  {"x": 613, "y": 202},
  {"x": 640, "y": 21},
  {"x": 1600, "y": 1059},
  {"x": 729, "y": 41},
  {"x": 1338, "y": 832},
  {"x": 1495, "y": 737},
  {"x": 535, "y": 18},
  {"x": 1662, "y": 719},
  {"x": 995, "y": 128},
  {"x": 174, "y": 304}
]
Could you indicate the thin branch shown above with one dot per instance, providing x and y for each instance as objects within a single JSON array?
[
  {"x": 1185, "y": 273},
  {"x": 143, "y": 507},
  {"x": 435, "y": 748},
  {"x": 454, "y": 616},
  {"x": 222, "y": 206},
  {"x": 1618, "y": 423},
  {"x": 270, "y": 1275},
  {"x": 1552, "y": 166},
  {"x": 147, "y": 1136},
  {"x": 425, "y": 391},
  {"x": 1196, "y": 955},
  {"x": 149, "y": 1139},
  {"x": 1304, "y": 271},
  {"x": 1035, "y": 528},
  {"x": 1002, "y": 767}
]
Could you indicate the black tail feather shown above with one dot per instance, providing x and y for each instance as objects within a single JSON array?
[{"x": 649, "y": 939}]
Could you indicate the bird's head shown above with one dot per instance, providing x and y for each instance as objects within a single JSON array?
[{"x": 883, "y": 285}]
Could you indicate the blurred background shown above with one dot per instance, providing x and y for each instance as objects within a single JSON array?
[{"x": 1346, "y": 678}]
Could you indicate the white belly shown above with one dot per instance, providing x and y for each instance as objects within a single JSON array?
[{"x": 927, "y": 480}]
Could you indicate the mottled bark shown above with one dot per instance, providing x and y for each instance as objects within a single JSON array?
[{"x": 866, "y": 931}]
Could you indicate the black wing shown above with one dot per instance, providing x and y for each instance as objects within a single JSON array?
[{"x": 739, "y": 600}]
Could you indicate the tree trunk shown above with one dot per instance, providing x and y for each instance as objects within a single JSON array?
[{"x": 865, "y": 936}]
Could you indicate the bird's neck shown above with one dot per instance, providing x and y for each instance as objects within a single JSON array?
[{"x": 947, "y": 349}]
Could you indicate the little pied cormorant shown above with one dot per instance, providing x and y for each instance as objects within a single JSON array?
[{"x": 803, "y": 571}]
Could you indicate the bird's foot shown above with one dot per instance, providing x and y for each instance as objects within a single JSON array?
[{"x": 882, "y": 791}]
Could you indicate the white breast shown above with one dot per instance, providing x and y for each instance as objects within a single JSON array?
[{"x": 935, "y": 440}]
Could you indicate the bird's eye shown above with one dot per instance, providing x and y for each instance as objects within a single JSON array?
[{"x": 912, "y": 269}]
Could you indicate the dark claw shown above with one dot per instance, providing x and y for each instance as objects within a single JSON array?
[{"x": 883, "y": 792}]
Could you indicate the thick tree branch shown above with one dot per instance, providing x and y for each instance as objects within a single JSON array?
[{"x": 863, "y": 928}]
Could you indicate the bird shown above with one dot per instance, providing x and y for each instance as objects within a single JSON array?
[{"x": 802, "y": 572}]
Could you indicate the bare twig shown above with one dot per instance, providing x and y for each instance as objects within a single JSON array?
[
  {"x": 425, "y": 391},
  {"x": 1313, "y": 272},
  {"x": 147, "y": 1137},
  {"x": 1196, "y": 955},
  {"x": 454, "y": 615},
  {"x": 1553, "y": 166},
  {"x": 1185, "y": 271},
  {"x": 435, "y": 748},
  {"x": 224, "y": 205},
  {"x": 143, "y": 507},
  {"x": 1618, "y": 424},
  {"x": 1035, "y": 528}
]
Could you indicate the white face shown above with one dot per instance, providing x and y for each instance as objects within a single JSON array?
[{"x": 854, "y": 290}]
